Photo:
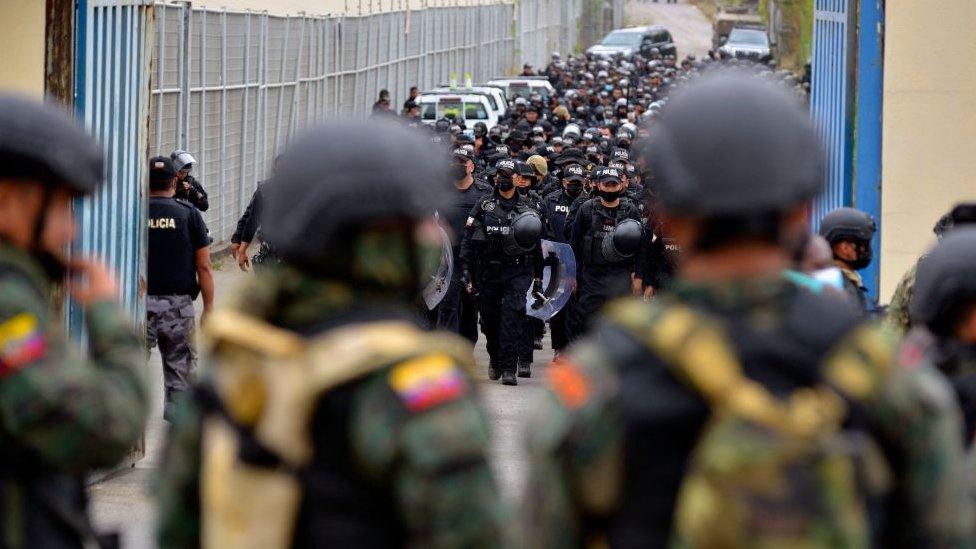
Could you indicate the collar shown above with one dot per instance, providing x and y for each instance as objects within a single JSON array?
[{"x": 735, "y": 295}]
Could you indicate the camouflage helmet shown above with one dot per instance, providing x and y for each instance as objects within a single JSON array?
[
  {"x": 343, "y": 175},
  {"x": 733, "y": 144},
  {"x": 39, "y": 142},
  {"x": 946, "y": 280}
]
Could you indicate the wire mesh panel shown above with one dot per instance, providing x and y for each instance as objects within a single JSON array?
[{"x": 233, "y": 87}]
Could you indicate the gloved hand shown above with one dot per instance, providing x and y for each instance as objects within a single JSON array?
[
  {"x": 467, "y": 282},
  {"x": 537, "y": 286}
]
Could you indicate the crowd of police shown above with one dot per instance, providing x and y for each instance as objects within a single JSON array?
[{"x": 745, "y": 394}]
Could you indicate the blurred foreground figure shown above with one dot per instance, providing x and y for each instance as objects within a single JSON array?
[
  {"x": 327, "y": 418},
  {"x": 62, "y": 415},
  {"x": 742, "y": 409}
]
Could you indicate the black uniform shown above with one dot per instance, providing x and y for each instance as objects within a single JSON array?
[
  {"x": 599, "y": 280},
  {"x": 458, "y": 311},
  {"x": 502, "y": 280},
  {"x": 555, "y": 212},
  {"x": 194, "y": 195}
]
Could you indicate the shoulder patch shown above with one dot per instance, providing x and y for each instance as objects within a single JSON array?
[
  {"x": 184, "y": 203},
  {"x": 569, "y": 383},
  {"x": 427, "y": 381},
  {"x": 488, "y": 205},
  {"x": 21, "y": 342}
]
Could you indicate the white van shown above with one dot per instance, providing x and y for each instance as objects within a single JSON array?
[
  {"x": 524, "y": 86},
  {"x": 469, "y": 107},
  {"x": 495, "y": 95}
]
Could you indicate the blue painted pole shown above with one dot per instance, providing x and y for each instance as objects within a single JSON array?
[{"x": 870, "y": 94}]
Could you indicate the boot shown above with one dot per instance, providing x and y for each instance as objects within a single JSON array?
[
  {"x": 508, "y": 378},
  {"x": 493, "y": 372},
  {"x": 524, "y": 369}
]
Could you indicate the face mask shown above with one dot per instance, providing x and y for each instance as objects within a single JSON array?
[
  {"x": 864, "y": 256},
  {"x": 608, "y": 88},
  {"x": 504, "y": 184},
  {"x": 53, "y": 266},
  {"x": 609, "y": 196},
  {"x": 523, "y": 190},
  {"x": 574, "y": 189},
  {"x": 459, "y": 172}
]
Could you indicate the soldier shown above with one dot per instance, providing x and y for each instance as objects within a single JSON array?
[
  {"x": 898, "y": 316},
  {"x": 849, "y": 233},
  {"x": 62, "y": 415},
  {"x": 607, "y": 249},
  {"x": 743, "y": 410},
  {"x": 178, "y": 271},
  {"x": 501, "y": 246},
  {"x": 328, "y": 418},
  {"x": 188, "y": 188},
  {"x": 943, "y": 310}
]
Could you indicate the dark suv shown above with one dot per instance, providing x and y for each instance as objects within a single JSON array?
[{"x": 628, "y": 42}]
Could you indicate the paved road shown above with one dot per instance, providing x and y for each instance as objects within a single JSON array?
[
  {"x": 692, "y": 32},
  {"x": 123, "y": 502}
]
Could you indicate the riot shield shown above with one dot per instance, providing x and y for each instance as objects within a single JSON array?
[
  {"x": 440, "y": 281},
  {"x": 558, "y": 280}
]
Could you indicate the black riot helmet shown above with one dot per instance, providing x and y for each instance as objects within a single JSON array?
[
  {"x": 524, "y": 235},
  {"x": 339, "y": 177},
  {"x": 945, "y": 284},
  {"x": 480, "y": 129},
  {"x": 731, "y": 144},
  {"x": 41, "y": 143},
  {"x": 622, "y": 244},
  {"x": 847, "y": 224}
]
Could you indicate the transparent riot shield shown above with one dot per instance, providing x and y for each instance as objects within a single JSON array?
[{"x": 558, "y": 281}]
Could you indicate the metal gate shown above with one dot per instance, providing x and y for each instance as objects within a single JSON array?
[
  {"x": 112, "y": 93},
  {"x": 831, "y": 98}
]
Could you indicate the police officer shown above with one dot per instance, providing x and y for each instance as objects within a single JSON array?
[
  {"x": 500, "y": 259},
  {"x": 62, "y": 414},
  {"x": 608, "y": 257},
  {"x": 849, "y": 232},
  {"x": 178, "y": 271},
  {"x": 712, "y": 417},
  {"x": 188, "y": 189},
  {"x": 555, "y": 211},
  {"x": 329, "y": 419},
  {"x": 458, "y": 311},
  {"x": 248, "y": 226},
  {"x": 944, "y": 311}
]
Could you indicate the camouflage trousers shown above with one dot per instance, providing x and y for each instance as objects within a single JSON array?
[{"x": 170, "y": 324}]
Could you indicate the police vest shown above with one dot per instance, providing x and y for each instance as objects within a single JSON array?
[
  {"x": 263, "y": 484},
  {"x": 602, "y": 227},
  {"x": 497, "y": 222}
]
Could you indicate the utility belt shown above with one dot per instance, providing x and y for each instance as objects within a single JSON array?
[{"x": 504, "y": 261}]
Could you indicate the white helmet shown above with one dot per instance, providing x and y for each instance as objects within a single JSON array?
[{"x": 182, "y": 160}]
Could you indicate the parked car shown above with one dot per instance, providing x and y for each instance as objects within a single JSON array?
[
  {"x": 630, "y": 41},
  {"x": 469, "y": 108},
  {"x": 726, "y": 20},
  {"x": 524, "y": 86},
  {"x": 748, "y": 43}
]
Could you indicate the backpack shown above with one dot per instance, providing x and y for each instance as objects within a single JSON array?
[{"x": 767, "y": 471}]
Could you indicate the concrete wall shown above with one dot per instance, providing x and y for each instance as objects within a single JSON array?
[
  {"x": 341, "y": 7},
  {"x": 22, "y": 46},
  {"x": 929, "y": 161}
]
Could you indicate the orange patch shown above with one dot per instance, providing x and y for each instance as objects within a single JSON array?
[{"x": 569, "y": 383}]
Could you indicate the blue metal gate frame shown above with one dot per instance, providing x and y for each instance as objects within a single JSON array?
[{"x": 112, "y": 98}]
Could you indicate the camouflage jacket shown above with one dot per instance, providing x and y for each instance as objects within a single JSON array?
[
  {"x": 417, "y": 450},
  {"x": 898, "y": 314},
  {"x": 581, "y": 466},
  {"x": 61, "y": 414}
]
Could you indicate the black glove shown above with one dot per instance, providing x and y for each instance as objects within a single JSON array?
[{"x": 537, "y": 286}]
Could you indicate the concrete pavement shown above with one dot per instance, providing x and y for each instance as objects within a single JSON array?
[{"x": 123, "y": 502}]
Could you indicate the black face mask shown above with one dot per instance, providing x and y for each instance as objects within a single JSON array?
[
  {"x": 459, "y": 172},
  {"x": 52, "y": 265},
  {"x": 609, "y": 196},
  {"x": 864, "y": 256},
  {"x": 574, "y": 189},
  {"x": 523, "y": 190},
  {"x": 504, "y": 184}
]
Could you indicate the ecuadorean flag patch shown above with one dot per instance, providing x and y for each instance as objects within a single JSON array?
[
  {"x": 21, "y": 342},
  {"x": 427, "y": 381}
]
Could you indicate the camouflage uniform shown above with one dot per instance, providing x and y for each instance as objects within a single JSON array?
[
  {"x": 898, "y": 316},
  {"x": 607, "y": 462},
  {"x": 424, "y": 463},
  {"x": 61, "y": 415}
]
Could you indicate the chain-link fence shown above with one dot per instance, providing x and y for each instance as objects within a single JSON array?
[{"x": 232, "y": 87}]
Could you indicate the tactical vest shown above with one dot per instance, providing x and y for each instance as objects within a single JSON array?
[
  {"x": 497, "y": 224},
  {"x": 601, "y": 227},
  {"x": 791, "y": 386},
  {"x": 273, "y": 475}
]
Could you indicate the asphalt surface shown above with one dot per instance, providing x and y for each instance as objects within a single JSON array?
[
  {"x": 691, "y": 30},
  {"x": 123, "y": 502}
]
